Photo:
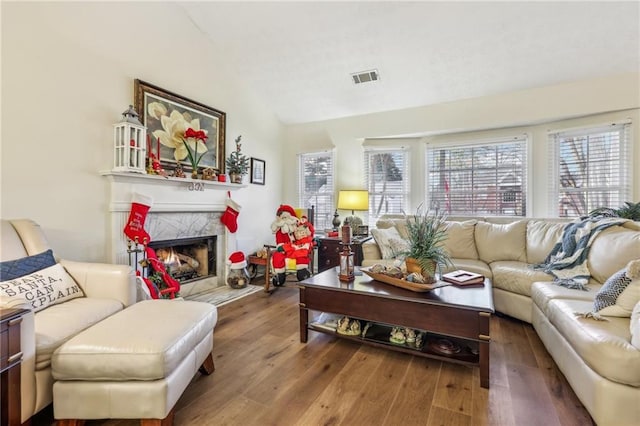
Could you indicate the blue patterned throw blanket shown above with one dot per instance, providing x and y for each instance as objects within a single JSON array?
[{"x": 567, "y": 261}]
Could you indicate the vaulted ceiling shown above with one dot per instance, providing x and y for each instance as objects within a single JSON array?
[{"x": 298, "y": 56}]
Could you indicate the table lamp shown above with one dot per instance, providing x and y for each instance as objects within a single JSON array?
[{"x": 353, "y": 199}]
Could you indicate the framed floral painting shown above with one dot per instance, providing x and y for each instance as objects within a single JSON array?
[{"x": 168, "y": 116}]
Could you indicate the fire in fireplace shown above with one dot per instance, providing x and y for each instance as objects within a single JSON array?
[{"x": 188, "y": 259}]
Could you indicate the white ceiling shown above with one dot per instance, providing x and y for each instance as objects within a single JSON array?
[{"x": 298, "y": 56}]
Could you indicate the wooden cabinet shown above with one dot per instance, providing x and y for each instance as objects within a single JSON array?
[
  {"x": 10, "y": 359},
  {"x": 329, "y": 251}
]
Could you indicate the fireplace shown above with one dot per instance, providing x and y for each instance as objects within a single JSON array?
[
  {"x": 183, "y": 213},
  {"x": 188, "y": 259}
]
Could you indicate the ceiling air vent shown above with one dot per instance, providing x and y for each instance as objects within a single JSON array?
[{"x": 365, "y": 76}]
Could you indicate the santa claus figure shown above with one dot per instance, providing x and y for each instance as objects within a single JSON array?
[{"x": 294, "y": 239}]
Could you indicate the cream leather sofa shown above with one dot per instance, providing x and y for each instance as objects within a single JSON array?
[
  {"x": 107, "y": 290},
  {"x": 597, "y": 357}
]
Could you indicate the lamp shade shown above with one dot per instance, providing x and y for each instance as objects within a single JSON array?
[{"x": 353, "y": 200}]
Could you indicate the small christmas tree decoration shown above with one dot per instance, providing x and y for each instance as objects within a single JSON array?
[
  {"x": 129, "y": 139},
  {"x": 237, "y": 163}
]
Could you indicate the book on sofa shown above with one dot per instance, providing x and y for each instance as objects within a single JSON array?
[{"x": 462, "y": 277}]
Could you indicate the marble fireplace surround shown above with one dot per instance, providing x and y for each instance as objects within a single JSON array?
[{"x": 182, "y": 208}]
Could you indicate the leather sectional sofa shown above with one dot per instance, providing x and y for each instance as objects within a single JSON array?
[{"x": 598, "y": 358}]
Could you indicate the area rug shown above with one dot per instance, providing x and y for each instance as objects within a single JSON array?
[{"x": 223, "y": 295}]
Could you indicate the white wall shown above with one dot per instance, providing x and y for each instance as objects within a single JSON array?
[
  {"x": 67, "y": 75},
  {"x": 533, "y": 111}
]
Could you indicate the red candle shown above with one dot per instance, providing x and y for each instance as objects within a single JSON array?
[
  {"x": 158, "y": 148},
  {"x": 148, "y": 144}
]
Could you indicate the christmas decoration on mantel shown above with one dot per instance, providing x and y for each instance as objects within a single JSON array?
[
  {"x": 129, "y": 149},
  {"x": 153, "y": 162},
  {"x": 237, "y": 163}
]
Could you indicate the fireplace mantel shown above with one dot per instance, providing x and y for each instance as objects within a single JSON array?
[
  {"x": 173, "y": 181},
  {"x": 170, "y": 194}
]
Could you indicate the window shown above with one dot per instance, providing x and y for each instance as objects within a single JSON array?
[
  {"x": 316, "y": 187},
  {"x": 387, "y": 179},
  {"x": 589, "y": 169},
  {"x": 483, "y": 178}
]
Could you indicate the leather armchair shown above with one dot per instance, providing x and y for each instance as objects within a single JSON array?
[{"x": 107, "y": 289}]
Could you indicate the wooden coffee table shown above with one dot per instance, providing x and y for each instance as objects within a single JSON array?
[{"x": 454, "y": 321}]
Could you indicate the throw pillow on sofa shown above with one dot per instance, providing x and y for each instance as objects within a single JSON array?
[
  {"x": 40, "y": 289},
  {"x": 12, "y": 269},
  {"x": 384, "y": 238},
  {"x": 399, "y": 224},
  {"x": 620, "y": 293}
]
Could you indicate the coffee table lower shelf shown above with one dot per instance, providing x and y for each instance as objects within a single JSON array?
[{"x": 467, "y": 353}]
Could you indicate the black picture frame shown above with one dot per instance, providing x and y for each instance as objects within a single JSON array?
[
  {"x": 153, "y": 102},
  {"x": 361, "y": 230},
  {"x": 258, "y": 171}
]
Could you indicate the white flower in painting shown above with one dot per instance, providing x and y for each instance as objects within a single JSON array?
[
  {"x": 174, "y": 125},
  {"x": 156, "y": 110}
]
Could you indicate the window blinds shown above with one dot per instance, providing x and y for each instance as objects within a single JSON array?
[
  {"x": 590, "y": 168},
  {"x": 387, "y": 178},
  {"x": 482, "y": 178},
  {"x": 316, "y": 186}
]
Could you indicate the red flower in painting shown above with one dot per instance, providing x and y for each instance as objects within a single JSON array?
[
  {"x": 192, "y": 138},
  {"x": 196, "y": 134}
]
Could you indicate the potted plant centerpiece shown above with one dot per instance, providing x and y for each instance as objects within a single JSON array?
[
  {"x": 237, "y": 163},
  {"x": 426, "y": 235}
]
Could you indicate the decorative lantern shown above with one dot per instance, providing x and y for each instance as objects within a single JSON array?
[
  {"x": 129, "y": 146},
  {"x": 346, "y": 256}
]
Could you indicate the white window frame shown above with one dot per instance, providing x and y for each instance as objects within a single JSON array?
[
  {"x": 323, "y": 213},
  {"x": 404, "y": 193},
  {"x": 524, "y": 139},
  {"x": 624, "y": 166}
]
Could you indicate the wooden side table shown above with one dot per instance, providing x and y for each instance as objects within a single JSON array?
[
  {"x": 255, "y": 261},
  {"x": 329, "y": 251},
  {"x": 10, "y": 360}
]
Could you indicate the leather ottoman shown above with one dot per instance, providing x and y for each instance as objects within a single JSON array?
[{"x": 134, "y": 364}]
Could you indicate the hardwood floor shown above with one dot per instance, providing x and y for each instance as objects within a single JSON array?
[{"x": 265, "y": 376}]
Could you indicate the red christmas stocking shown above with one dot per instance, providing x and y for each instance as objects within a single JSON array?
[
  {"x": 134, "y": 229},
  {"x": 230, "y": 216}
]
